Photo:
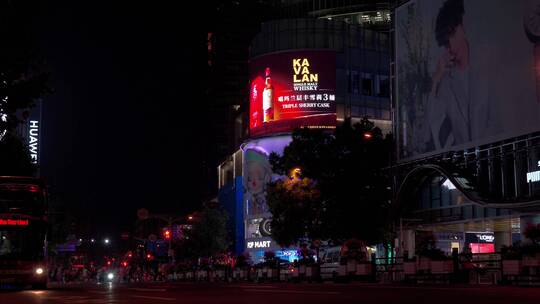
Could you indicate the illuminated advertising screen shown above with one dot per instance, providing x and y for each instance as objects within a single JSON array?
[
  {"x": 290, "y": 90},
  {"x": 257, "y": 173},
  {"x": 467, "y": 73}
]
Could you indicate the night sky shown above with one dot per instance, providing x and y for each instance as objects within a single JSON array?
[{"x": 124, "y": 127}]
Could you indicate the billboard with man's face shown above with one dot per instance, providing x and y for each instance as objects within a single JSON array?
[
  {"x": 467, "y": 73},
  {"x": 293, "y": 89}
]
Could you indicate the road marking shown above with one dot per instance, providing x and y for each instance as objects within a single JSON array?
[
  {"x": 76, "y": 299},
  {"x": 294, "y": 291},
  {"x": 425, "y": 287},
  {"x": 91, "y": 301},
  {"x": 154, "y": 298},
  {"x": 253, "y": 286},
  {"x": 99, "y": 292},
  {"x": 149, "y": 289}
]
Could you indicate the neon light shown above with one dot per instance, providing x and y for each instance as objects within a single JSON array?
[
  {"x": 482, "y": 248},
  {"x": 9, "y": 222},
  {"x": 33, "y": 140},
  {"x": 258, "y": 244},
  {"x": 533, "y": 177},
  {"x": 489, "y": 238}
]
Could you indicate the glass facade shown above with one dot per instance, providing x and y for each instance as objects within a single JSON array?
[
  {"x": 501, "y": 173},
  {"x": 499, "y": 199},
  {"x": 438, "y": 201},
  {"x": 368, "y": 19}
]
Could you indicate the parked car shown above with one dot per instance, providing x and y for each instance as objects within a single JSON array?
[
  {"x": 286, "y": 272},
  {"x": 334, "y": 263}
]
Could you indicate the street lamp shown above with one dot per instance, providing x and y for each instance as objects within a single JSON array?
[
  {"x": 106, "y": 241},
  {"x": 295, "y": 173}
]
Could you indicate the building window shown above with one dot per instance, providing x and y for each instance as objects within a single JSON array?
[
  {"x": 355, "y": 83},
  {"x": 468, "y": 212},
  {"x": 370, "y": 112},
  {"x": 436, "y": 193},
  {"x": 367, "y": 85},
  {"x": 385, "y": 114},
  {"x": 340, "y": 112},
  {"x": 508, "y": 172},
  {"x": 349, "y": 82},
  {"x": 384, "y": 87},
  {"x": 355, "y": 111}
]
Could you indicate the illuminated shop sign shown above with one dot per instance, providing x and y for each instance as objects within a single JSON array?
[
  {"x": 33, "y": 136},
  {"x": 258, "y": 244},
  {"x": 291, "y": 90},
  {"x": 479, "y": 238},
  {"x": 488, "y": 238},
  {"x": 10, "y": 222},
  {"x": 533, "y": 177}
]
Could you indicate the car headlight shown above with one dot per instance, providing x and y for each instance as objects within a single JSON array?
[
  {"x": 39, "y": 270},
  {"x": 110, "y": 276}
]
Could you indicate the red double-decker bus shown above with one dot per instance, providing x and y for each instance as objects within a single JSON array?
[{"x": 23, "y": 232}]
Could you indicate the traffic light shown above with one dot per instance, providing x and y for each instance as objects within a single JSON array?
[{"x": 167, "y": 234}]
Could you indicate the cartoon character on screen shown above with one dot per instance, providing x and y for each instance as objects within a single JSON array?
[{"x": 259, "y": 174}]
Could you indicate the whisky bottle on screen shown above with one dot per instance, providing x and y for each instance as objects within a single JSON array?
[{"x": 268, "y": 97}]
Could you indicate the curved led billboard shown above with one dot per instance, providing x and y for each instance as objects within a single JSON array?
[
  {"x": 257, "y": 173},
  {"x": 467, "y": 73},
  {"x": 290, "y": 90}
]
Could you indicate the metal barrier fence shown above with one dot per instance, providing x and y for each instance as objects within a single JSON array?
[
  {"x": 474, "y": 268},
  {"x": 483, "y": 268}
]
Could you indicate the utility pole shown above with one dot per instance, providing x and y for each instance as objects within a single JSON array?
[
  {"x": 401, "y": 243},
  {"x": 170, "y": 252}
]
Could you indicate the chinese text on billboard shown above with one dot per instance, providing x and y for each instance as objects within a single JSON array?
[{"x": 292, "y": 89}]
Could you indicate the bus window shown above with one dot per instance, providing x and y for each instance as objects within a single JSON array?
[
  {"x": 5, "y": 244},
  {"x": 21, "y": 243}
]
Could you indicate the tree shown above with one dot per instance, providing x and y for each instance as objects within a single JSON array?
[
  {"x": 532, "y": 232},
  {"x": 345, "y": 169},
  {"x": 22, "y": 82},
  {"x": 207, "y": 237},
  {"x": 295, "y": 205},
  {"x": 14, "y": 157}
]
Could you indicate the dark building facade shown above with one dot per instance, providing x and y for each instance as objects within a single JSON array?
[{"x": 231, "y": 26}]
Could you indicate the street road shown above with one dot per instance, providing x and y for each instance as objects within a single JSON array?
[{"x": 239, "y": 293}]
